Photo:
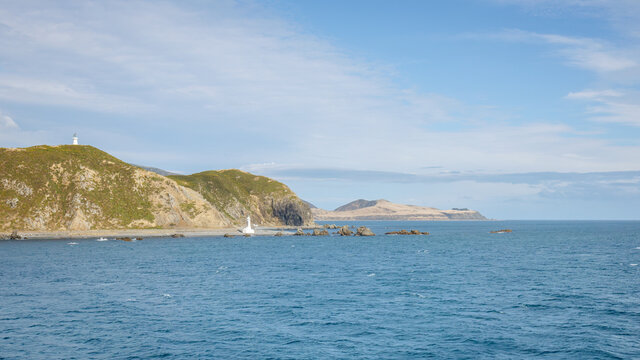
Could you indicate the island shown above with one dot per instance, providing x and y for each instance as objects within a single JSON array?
[{"x": 385, "y": 210}]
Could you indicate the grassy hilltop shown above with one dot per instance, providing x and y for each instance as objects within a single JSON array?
[
  {"x": 237, "y": 194},
  {"x": 74, "y": 187}
]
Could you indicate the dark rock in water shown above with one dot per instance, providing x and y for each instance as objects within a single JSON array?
[
  {"x": 317, "y": 232},
  {"x": 405, "y": 232},
  {"x": 501, "y": 231},
  {"x": 299, "y": 232},
  {"x": 291, "y": 212},
  {"x": 15, "y": 236},
  {"x": 229, "y": 235},
  {"x": 247, "y": 235},
  {"x": 331, "y": 226},
  {"x": 126, "y": 238},
  {"x": 139, "y": 238},
  {"x": 177, "y": 236},
  {"x": 364, "y": 231},
  {"x": 425, "y": 233},
  {"x": 344, "y": 231},
  {"x": 279, "y": 233}
]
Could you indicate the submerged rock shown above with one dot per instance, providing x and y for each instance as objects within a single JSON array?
[
  {"x": 177, "y": 236},
  {"x": 229, "y": 235},
  {"x": 279, "y": 233},
  {"x": 344, "y": 231}
]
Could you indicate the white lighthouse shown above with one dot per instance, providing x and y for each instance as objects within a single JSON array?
[
  {"x": 248, "y": 229},
  {"x": 75, "y": 139}
]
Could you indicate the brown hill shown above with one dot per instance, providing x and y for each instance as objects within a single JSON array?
[{"x": 386, "y": 210}]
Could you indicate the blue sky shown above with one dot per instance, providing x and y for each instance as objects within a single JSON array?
[{"x": 521, "y": 109}]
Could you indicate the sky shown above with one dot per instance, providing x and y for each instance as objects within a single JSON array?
[{"x": 521, "y": 109}]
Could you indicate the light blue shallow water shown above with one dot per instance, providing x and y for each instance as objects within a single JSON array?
[{"x": 549, "y": 289}]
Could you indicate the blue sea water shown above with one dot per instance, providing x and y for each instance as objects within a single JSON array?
[{"x": 547, "y": 290}]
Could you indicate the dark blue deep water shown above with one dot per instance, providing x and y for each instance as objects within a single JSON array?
[{"x": 548, "y": 290}]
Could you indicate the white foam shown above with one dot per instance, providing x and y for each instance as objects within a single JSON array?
[
  {"x": 638, "y": 248},
  {"x": 633, "y": 264},
  {"x": 72, "y": 243},
  {"x": 372, "y": 274},
  {"x": 166, "y": 295}
]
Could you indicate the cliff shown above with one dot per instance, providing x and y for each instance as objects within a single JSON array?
[
  {"x": 386, "y": 210},
  {"x": 238, "y": 194},
  {"x": 73, "y": 187}
]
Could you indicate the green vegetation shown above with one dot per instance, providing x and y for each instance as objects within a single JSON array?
[
  {"x": 228, "y": 188},
  {"x": 81, "y": 187},
  {"x": 51, "y": 182},
  {"x": 236, "y": 194}
]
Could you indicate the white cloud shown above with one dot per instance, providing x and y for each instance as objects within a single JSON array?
[
  {"x": 35, "y": 91},
  {"x": 611, "y": 106},
  {"x": 587, "y": 53},
  {"x": 281, "y": 94},
  {"x": 593, "y": 94},
  {"x": 6, "y": 122}
]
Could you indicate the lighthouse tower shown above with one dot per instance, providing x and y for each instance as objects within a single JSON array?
[
  {"x": 248, "y": 229},
  {"x": 75, "y": 139}
]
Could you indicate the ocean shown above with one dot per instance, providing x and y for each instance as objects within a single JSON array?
[{"x": 549, "y": 289}]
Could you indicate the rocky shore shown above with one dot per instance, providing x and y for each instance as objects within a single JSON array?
[{"x": 136, "y": 233}]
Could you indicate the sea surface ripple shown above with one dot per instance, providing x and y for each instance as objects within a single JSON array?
[{"x": 549, "y": 289}]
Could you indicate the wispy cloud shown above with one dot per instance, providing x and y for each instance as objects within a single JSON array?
[
  {"x": 6, "y": 122},
  {"x": 531, "y": 178},
  {"x": 587, "y": 53},
  {"x": 611, "y": 106}
]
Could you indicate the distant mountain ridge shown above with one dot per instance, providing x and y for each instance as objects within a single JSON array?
[
  {"x": 362, "y": 209},
  {"x": 357, "y": 204}
]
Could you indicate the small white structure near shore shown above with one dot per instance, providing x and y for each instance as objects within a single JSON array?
[
  {"x": 75, "y": 139},
  {"x": 248, "y": 229}
]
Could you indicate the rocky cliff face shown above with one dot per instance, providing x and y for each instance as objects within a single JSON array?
[
  {"x": 239, "y": 194},
  {"x": 76, "y": 187}
]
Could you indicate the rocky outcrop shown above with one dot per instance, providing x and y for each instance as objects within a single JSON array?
[
  {"x": 291, "y": 212},
  {"x": 317, "y": 232},
  {"x": 364, "y": 231},
  {"x": 345, "y": 231},
  {"x": 405, "y": 232}
]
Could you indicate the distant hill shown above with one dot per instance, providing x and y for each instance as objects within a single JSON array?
[
  {"x": 156, "y": 170},
  {"x": 75, "y": 187},
  {"x": 385, "y": 210},
  {"x": 357, "y": 204}
]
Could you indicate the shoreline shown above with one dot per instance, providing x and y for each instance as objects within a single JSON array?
[{"x": 150, "y": 233}]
